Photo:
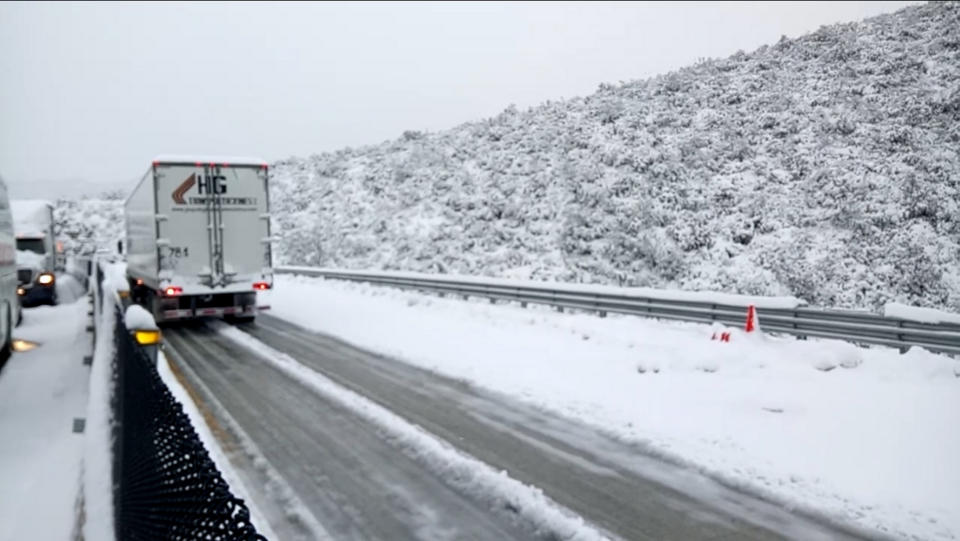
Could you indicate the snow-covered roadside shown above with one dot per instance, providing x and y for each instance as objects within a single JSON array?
[
  {"x": 41, "y": 392},
  {"x": 716, "y": 297},
  {"x": 456, "y": 468},
  {"x": 98, "y": 437},
  {"x": 868, "y": 436}
]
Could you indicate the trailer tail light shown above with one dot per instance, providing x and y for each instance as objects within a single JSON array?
[
  {"x": 261, "y": 286},
  {"x": 172, "y": 291}
]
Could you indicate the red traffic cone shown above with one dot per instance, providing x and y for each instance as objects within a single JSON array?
[{"x": 751, "y": 319}]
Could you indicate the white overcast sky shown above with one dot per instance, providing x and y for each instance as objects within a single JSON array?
[{"x": 90, "y": 92}]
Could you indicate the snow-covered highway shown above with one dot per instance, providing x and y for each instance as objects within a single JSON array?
[{"x": 373, "y": 448}]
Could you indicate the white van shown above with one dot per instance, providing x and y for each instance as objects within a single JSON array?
[{"x": 9, "y": 303}]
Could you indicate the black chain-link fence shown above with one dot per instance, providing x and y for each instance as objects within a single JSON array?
[{"x": 166, "y": 486}]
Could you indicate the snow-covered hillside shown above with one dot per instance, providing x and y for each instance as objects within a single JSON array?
[
  {"x": 824, "y": 167},
  {"x": 89, "y": 223}
]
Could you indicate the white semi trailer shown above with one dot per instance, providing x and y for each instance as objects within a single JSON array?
[{"x": 198, "y": 237}]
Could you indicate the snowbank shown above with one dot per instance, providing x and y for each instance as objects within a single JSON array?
[
  {"x": 137, "y": 317},
  {"x": 98, "y": 438},
  {"x": 114, "y": 278},
  {"x": 915, "y": 313},
  {"x": 866, "y": 435},
  {"x": 68, "y": 289}
]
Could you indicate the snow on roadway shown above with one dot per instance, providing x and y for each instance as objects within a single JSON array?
[
  {"x": 868, "y": 436},
  {"x": 217, "y": 454},
  {"x": 41, "y": 392},
  {"x": 457, "y": 469}
]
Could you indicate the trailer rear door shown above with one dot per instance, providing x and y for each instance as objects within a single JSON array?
[{"x": 212, "y": 223}]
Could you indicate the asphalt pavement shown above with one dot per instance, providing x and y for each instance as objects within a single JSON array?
[{"x": 358, "y": 485}]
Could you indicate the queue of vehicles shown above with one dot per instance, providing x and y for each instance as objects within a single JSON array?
[
  {"x": 29, "y": 260},
  {"x": 197, "y": 243}
]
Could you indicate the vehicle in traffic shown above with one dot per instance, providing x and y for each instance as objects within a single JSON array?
[
  {"x": 9, "y": 303},
  {"x": 36, "y": 251},
  {"x": 198, "y": 237}
]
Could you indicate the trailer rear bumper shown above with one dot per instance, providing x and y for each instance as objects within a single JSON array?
[
  {"x": 170, "y": 315},
  {"x": 182, "y": 307}
]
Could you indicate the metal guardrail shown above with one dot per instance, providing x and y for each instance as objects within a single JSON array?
[{"x": 853, "y": 326}]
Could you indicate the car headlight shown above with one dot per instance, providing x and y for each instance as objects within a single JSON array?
[
  {"x": 45, "y": 279},
  {"x": 21, "y": 291}
]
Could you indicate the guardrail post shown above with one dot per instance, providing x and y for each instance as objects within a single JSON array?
[
  {"x": 902, "y": 348},
  {"x": 796, "y": 316},
  {"x": 600, "y": 311}
]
